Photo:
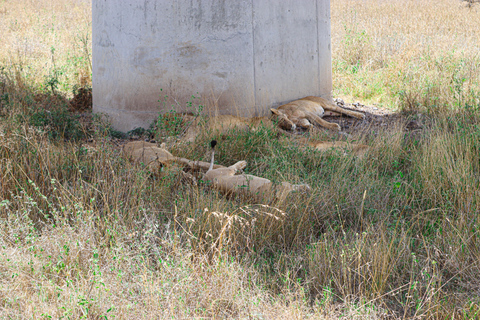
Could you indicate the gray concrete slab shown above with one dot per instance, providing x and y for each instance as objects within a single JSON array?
[{"x": 235, "y": 57}]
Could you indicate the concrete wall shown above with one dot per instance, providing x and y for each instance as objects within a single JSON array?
[{"x": 239, "y": 57}]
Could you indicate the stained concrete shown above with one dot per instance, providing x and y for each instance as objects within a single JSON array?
[{"x": 235, "y": 57}]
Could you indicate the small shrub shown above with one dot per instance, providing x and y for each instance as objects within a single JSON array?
[{"x": 59, "y": 123}]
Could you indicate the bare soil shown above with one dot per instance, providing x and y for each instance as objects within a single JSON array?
[{"x": 376, "y": 119}]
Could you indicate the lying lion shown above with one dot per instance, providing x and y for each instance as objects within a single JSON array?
[
  {"x": 228, "y": 182},
  {"x": 222, "y": 178},
  {"x": 300, "y": 113},
  {"x": 356, "y": 149},
  {"x": 156, "y": 158}
]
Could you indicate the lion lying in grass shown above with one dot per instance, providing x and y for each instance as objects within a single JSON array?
[
  {"x": 302, "y": 112},
  {"x": 226, "y": 179},
  {"x": 298, "y": 113},
  {"x": 223, "y": 178},
  {"x": 228, "y": 182},
  {"x": 356, "y": 149},
  {"x": 156, "y": 158}
]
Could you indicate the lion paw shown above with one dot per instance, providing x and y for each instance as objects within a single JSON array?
[{"x": 240, "y": 165}]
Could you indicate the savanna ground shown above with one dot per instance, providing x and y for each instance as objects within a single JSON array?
[{"x": 86, "y": 234}]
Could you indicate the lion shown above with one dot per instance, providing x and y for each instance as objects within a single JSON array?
[
  {"x": 228, "y": 182},
  {"x": 302, "y": 112},
  {"x": 222, "y": 178},
  {"x": 356, "y": 149},
  {"x": 155, "y": 158}
]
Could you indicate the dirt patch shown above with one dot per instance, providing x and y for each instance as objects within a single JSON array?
[{"x": 375, "y": 117}]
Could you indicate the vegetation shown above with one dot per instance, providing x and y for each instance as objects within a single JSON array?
[
  {"x": 405, "y": 53},
  {"x": 86, "y": 234}
]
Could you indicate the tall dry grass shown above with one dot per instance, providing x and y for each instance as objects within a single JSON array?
[
  {"x": 46, "y": 43},
  {"x": 86, "y": 234},
  {"x": 407, "y": 53}
]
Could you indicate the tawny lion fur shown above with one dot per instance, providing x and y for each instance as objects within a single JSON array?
[
  {"x": 222, "y": 178},
  {"x": 357, "y": 149},
  {"x": 155, "y": 157},
  {"x": 227, "y": 181},
  {"x": 302, "y": 112}
]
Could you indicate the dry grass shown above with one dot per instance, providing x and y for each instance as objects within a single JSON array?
[
  {"x": 416, "y": 53},
  {"x": 46, "y": 43},
  {"x": 85, "y": 234}
]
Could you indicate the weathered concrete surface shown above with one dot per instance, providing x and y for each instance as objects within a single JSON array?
[{"x": 237, "y": 57}]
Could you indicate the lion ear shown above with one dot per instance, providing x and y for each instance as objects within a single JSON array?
[{"x": 275, "y": 111}]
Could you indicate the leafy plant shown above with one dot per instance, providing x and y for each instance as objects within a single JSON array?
[
  {"x": 172, "y": 123},
  {"x": 59, "y": 123}
]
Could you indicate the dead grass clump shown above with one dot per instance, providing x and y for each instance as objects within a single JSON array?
[
  {"x": 449, "y": 163},
  {"x": 361, "y": 265}
]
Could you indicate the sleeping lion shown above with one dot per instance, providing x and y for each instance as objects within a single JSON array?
[{"x": 302, "y": 112}]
